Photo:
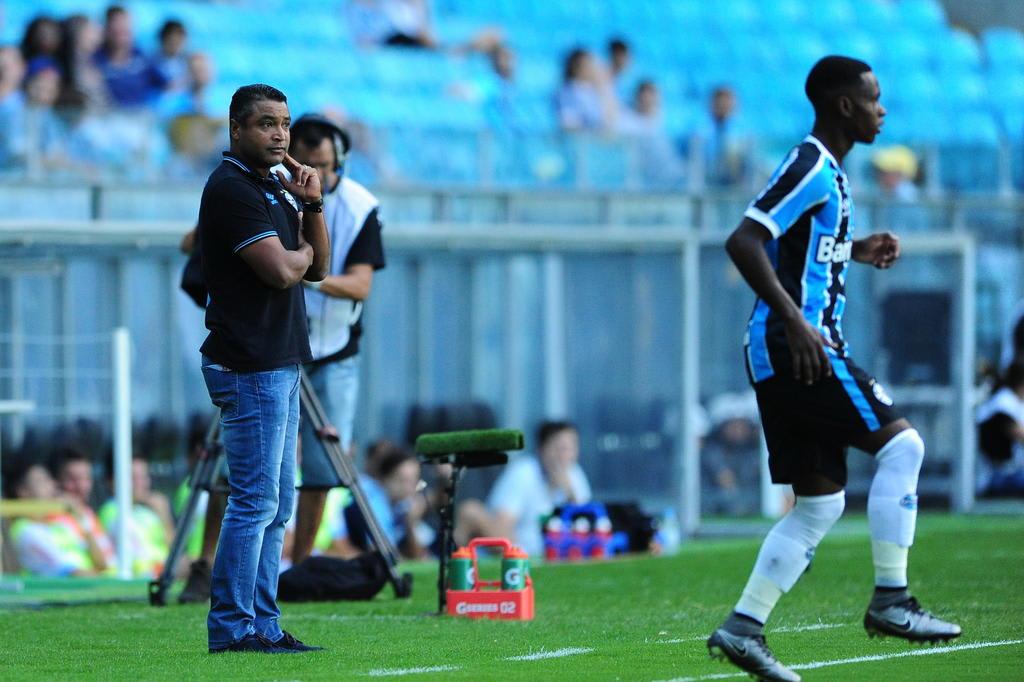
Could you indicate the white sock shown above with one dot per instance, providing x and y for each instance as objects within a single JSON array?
[
  {"x": 786, "y": 552},
  {"x": 892, "y": 506}
]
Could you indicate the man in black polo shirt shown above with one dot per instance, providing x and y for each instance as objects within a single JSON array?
[{"x": 256, "y": 244}]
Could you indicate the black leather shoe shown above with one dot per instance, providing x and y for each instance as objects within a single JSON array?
[
  {"x": 257, "y": 644},
  {"x": 289, "y": 642}
]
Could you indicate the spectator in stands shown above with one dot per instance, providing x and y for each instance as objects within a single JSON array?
[
  {"x": 621, "y": 71},
  {"x": 585, "y": 100},
  {"x": 528, "y": 489},
  {"x": 12, "y": 108},
  {"x": 726, "y": 149},
  {"x": 1000, "y": 422},
  {"x": 402, "y": 23},
  {"x": 191, "y": 99},
  {"x": 497, "y": 91},
  {"x": 172, "y": 60},
  {"x": 83, "y": 84},
  {"x": 72, "y": 469},
  {"x": 42, "y": 40},
  {"x": 644, "y": 116},
  {"x": 391, "y": 491},
  {"x": 132, "y": 80},
  {"x": 895, "y": 169},
  {"x": 658, "y": 162},
  {"x": 150, "y": 528},
  {"x": 45, "y": 133},
  {"x": 52, "y": 542},
  {"x": 729, "y": 460}
]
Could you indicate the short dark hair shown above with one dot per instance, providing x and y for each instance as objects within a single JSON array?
[
  {"x": 389, "y": 458},
  {"x": 171, "y": 26},
  {"x": 15, "y": 475},
  {"x": 63, "y": 456},
  {"x": 1014, "y": 374},
  {"x": 722, "y": 89},
  {"x": 572, "y": 63},
  {"x": 618, "y": 45},
  {"x": 312, "y": 134},
  {"x": 244, "y": 100},
  {"x": 831, "y": 75},
  {"x": 549, "y": 429},
  {"x": 645, "y": 84},
  {"x": 114, "y": 10}
]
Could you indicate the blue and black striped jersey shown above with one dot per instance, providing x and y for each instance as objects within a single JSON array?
[{"x": 807, "y": 209}]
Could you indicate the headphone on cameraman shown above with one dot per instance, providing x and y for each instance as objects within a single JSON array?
[{"x": 340, "y": 139}]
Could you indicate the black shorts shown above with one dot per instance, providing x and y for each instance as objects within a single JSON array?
[{"x": 808, "y": 428}]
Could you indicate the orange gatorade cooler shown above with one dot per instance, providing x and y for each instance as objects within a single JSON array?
[{"x": 510, "y": 598}]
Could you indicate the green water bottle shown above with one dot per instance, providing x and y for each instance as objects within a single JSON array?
[
  {"x": 514, "y": 567},
  {"x": 460, "y": 576}
]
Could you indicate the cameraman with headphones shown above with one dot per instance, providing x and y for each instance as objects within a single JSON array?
[{"x": 334, "y": 310}]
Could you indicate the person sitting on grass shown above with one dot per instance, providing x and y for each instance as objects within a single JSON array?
[
  {"x": 53, "y": 544},
  {"x": 150, "y": 527},
  {"x": 529, "y": 489},
  {"x": 391, "y": 489},
  {"x": 72, "y": 470},
  {"x": 1001, "y": 436}
]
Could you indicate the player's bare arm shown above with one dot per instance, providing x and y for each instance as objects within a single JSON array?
[
  {"x": 355, "y": 283},
  {"x": 275, "y": 265},
  {"x": 880, "y": 250},
  {"x": 807, "y": 345},
  {"x": 305, "y": 184}
]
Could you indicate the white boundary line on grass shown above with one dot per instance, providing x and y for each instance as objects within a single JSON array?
[
  {"x": 865, "y": 659},
  {"x": 794, "y": 628},
  {"x": 395, "y": 672},
  {"x": 558, "y": 653}
]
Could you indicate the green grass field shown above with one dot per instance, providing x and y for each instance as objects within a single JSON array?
[{"x": 633, "y": 619}]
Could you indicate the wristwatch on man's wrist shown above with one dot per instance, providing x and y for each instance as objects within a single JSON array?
[{"x": 314, "y": 206}]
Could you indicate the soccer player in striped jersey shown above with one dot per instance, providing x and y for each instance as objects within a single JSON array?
[{"x": 793, "y": 248}]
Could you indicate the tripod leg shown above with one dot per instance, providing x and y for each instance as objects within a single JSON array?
[
  {"x": 447, "y": 514},
  {"x": 200, "y": 480},
  {"x": 349, "y": 476}
]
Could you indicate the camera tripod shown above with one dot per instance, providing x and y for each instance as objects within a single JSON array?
[{"x": 206, "y": 477}]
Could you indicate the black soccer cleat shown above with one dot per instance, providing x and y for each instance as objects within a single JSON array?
[
  {"x": 749, "y": 653},
  {"x": 907, "y": 620}
]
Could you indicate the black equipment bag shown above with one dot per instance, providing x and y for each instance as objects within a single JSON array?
[{"x": 322, "y": 578}]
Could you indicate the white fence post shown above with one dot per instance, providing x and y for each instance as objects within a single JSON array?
[{"x": 122, "y": 438}]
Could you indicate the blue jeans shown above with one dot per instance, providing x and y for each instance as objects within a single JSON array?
[
  {"x": 337, "y": 386},
  {"x": 259, "y": 430}
]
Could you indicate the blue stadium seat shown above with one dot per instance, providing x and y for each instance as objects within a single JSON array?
[
  {"x": 910, "y": 51},
  {"x": 862, "y": 45},
  {"x": 604, "y": 162},
  {"x": 832, "y": 16},
  {"x": 533, "y": 160},
  {"x": 922, "y": 15},
  {"x": 1004, "y": 48},
  {"x": 875, "y": 16},
  {"x": 736, "y": 14},
  {"x": 434, "y": 156},
  {"x": 1011, "y": 123},
  {"x": 964, "y": 90},
  {"x": 959, "y": 51},
  {"x": 1006, "y": 90},
  {"x": 782, "y": 15}
]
